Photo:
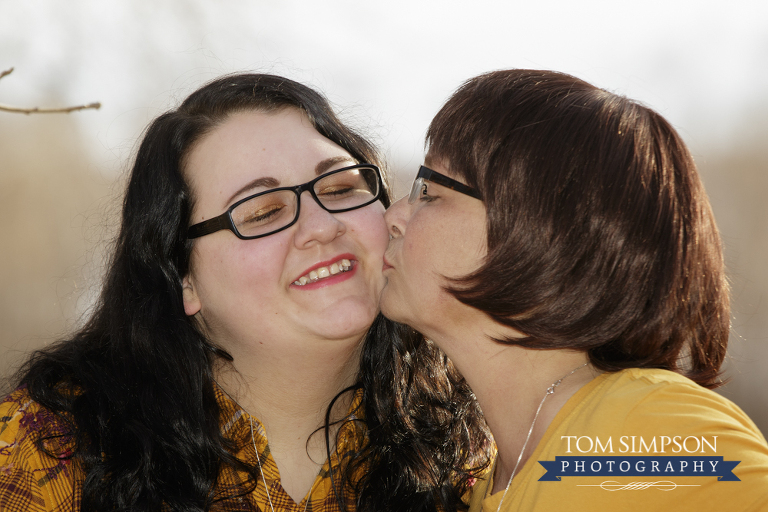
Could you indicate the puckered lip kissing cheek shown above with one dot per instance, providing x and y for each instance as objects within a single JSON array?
[
  {"x": 387, "y": 265},
  {"x": 325, "y": 273}
]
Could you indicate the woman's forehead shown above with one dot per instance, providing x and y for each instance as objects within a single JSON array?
[{"x": 252, "y": 150}]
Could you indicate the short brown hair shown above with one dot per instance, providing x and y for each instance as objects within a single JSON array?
[{"x": 600, "y": 234}]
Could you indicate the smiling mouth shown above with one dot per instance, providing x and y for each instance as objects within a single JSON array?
[{"x": 320, "y": 273}]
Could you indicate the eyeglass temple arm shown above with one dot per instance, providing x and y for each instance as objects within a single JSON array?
[
  {"x": 210, "y": 226},
  {"x": 435, "y": 177}
]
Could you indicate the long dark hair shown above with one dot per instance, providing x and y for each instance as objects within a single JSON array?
[
  {"x": 135, "y": 385},
  {"x": 428, "y": 440},
  {"x": 600, "y": 235}
]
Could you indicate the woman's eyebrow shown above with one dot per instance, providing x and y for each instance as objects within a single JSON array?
[
  {"x": 326, "y": 164},
  {"x": 269, "y": 182},
  {"x": 266, "y": 182}
]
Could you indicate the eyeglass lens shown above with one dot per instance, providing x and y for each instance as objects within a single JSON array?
[
  {"x": 336, "y": 192},
  {"x": 416, "y": 187}
]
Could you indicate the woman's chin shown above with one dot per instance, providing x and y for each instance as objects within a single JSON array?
[{"x": 345, "y": 326}]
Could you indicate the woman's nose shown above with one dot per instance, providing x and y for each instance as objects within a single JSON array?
[
  {"x": 316, "y": 225},
  {"x": 397, "y": 216}
]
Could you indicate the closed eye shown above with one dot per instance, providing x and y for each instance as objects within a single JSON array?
[
  {"x": 264, "y": 215},
  {"x": 337, "y": 191}
]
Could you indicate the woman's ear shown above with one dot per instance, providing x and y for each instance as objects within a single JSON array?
[{"x": 192, "y": 303}]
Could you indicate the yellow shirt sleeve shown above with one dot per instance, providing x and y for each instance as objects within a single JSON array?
[{"x": 664, "y": 435}]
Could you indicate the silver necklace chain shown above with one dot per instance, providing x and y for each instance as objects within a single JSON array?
[
  {"x": 550, "y": 391},
  {"x": 258, "y": 459},
  {"x": 263, "y": 478}
]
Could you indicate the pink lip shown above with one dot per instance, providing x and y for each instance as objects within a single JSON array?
[
  {"x": 386, "y": 265},
  {"x": 337, "y": 278}
]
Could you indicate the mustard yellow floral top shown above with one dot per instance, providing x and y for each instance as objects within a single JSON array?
[{"x": 32, "y": 481}]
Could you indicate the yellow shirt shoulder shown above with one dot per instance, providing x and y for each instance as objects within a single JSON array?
[{"x": 642, "y": 439}]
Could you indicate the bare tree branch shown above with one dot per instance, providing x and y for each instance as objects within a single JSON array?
[{"x": 38, "y": 110}]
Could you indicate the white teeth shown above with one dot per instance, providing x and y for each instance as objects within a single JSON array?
[{"x": 322, "y": 272}]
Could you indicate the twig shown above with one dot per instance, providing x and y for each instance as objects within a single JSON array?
[{"x": 38, "y": 110}]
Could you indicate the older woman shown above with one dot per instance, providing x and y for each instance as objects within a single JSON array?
[
  {"x": 559, "y": 247},
  {"x": 231, "y": 362}
]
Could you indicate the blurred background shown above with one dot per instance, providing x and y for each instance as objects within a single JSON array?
[{"x": 388, "y": 67}]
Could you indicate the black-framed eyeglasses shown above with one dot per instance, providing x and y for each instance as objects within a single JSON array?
[
  {"x": 427, "y": 174},
  {"x": 276, "y": 209}
]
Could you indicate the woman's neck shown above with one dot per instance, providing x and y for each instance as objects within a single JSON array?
[
  {"x": 290, "y": 394},
  {"x": 510, "y": 383}
]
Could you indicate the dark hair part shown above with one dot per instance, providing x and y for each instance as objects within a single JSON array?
[
  {"x": 135, "y": 384},
  {"x": 600, "y": 234}
]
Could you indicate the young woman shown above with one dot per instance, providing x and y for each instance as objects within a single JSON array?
[
  {"x": 236, "y": 359},
  {"x": 559, "y": 247}
]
